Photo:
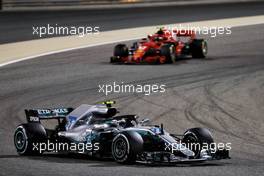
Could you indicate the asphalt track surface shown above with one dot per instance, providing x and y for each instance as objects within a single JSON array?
[
  {"x": 224, "y": 93},
  {"x": 17, "y": 26}
]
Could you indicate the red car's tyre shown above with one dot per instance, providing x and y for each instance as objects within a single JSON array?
[
  {"x": 199, "y": 48},
  {"x": 121, "y": 50},
  {"x": 168, "y": 51}
]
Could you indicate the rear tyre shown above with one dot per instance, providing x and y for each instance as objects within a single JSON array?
[
  {"x": 199, "y": 48},
  {"x": 196, "y": 138},
  {"x": 168, "y": 50},
  {"x": 27, "y": 136},
  {"x": 126, "y": 146}
]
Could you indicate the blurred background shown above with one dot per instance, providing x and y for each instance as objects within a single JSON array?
[
  {"x": 46, "y": 4},
  {"x": 7, "y": 4},
  {"x": 18, "y": 16}
]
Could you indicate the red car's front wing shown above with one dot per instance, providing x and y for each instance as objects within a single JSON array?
[{"x": 131, "y": 60}]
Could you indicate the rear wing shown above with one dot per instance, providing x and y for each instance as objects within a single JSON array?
[{"x": 35, "y": 115}]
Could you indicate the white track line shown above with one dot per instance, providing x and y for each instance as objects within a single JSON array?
[
  {"x": 61, "y": 51},
  {"x": 21, "y": 51}
]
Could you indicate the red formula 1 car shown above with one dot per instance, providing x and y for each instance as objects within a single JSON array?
[{"x": 162, "y": 47}]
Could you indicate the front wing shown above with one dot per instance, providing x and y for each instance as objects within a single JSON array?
[{"x": 169, "y": 158}]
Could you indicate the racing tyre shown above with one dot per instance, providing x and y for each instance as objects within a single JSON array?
[
  {"x": 199, "y": 48},
  {"x": 126, "y": 146},
  {"x": 168, "y": 50},
  {"x": 121, "y": 50},
  {"x": 196, "y": 138},
  {"x": 26, "y": 138}
]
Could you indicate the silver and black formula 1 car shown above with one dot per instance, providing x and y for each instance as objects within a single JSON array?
[{"x": 124, "y": 137}]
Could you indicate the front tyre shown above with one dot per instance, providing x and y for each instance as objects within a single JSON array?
[
  {"x": 196, "y": 138},
  {"x": 126, "y": 146},
  {"x": 120, "y": 51}
]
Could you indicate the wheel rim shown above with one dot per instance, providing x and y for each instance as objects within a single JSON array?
[
  {"x": 172, "y": 53},
  {"x": 191, "y": 142},
  {"x": 20, "y": 140},
  {"x": 204, "y": 48},
  {"x": 120, "y": 148}
]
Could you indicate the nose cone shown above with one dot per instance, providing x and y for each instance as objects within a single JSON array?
[{"x": 139, "y": 53}]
